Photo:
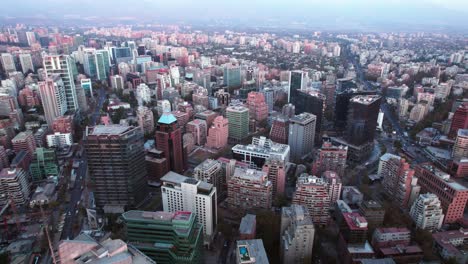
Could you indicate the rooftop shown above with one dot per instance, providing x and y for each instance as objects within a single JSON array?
[
  {"x": 463, "y": 132},
  {"x": 303, "y": 118},
  {"x": 251, "y": 251},
  {"x": 167, "y": 118},
  {"x": 448, "y": 238},
  {"x": 8, "y": 173},
  {"x": 401, "y": 250},
  {"x": 444, "y": 177},
  {"x": 110, "y": 130},
  {"x": 22, "y": 135},
  {"x": 248, "y": 224},
  {"x": 355, "y": 221},
  {"x": 365, "y": 99},
  {"x": 177, "y": 179},
  {"x": 360, "y": 248},
  {"x": 250, "y": 174}
]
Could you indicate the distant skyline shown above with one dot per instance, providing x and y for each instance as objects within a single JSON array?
[{"x": 358, "y": 14}]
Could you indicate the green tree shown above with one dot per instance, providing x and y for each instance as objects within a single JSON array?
[{"x": 397, "y": 144}]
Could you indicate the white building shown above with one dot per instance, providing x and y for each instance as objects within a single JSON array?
[
  {"x": 58, "y": 140},
  {"x": 180, "y": 193},
  {"x": 14, "y": 185},
  {"x": 8, "y": 62},
  {"x": 297, "y": 235},
  {"x": 64, "y": 66},
  {"x": 26, "y": 62},
  {"x": 262, "y": 148},
  {"x": 426, "y": 212},
  {"x": 117, "y": 82},
  {"x": 211, "y": 171},
  {"x": 163, "y": 106},
  {"x": 143, "y": 94}
]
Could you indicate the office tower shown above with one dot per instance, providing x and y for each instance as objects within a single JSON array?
[
  {"x": 276, "y": 172},
  {"x": 301, "y": 135},
  {"x": 145, "y": 119},
  {"x": 165, "y": 237},
  {"x": 426, "y": 212},
  {"x": 297, "y": 81},
  {"x": 373, "y": 211},
  {"x": 24, "y": 141},
  {"x": 354, "y": 229},
  {"x": 329, "y": 90},
  {"x": 63, "y": 66},
  {"x": 87, "y": 86},
  {"x": 180, "y": 193},
  {"x": 249, "y": 189},
  {"x": 121, "y": 54},
  {"x": 238, "y": 117},
  {"x": 44, "y": 164},
  {"x": 59, "y": 140},
  {"x": 8, "y": 62},
  {"x": 297, "y": 235},
  {"x": 14, "y": 186},
  {"x": 452, "y": 194},
  {"x": 342, "y": 106},
  {"x": 53, "y": 98},
  {"x": 288, "y": 110},
  {"x": 85, "y": 249},
  {"x": 26, "y": 62},
  {"x": 459, "y": 120},
  {"x": 311, "y": 101},
  {"x": 218, "y": 133},
  {"x": 211, "y": 171},
  {"x": 258, "y": 108},
  {"x": 390, "y": 237},
  {"x": 116, "y": 162},
  {"x": 460, "y": 149},
  {"x": 117, "y": 82},
  {"x": 397, "y": 176},
  {"x": 330, "y": 158},
  {"x": 198, "y": 129},
  {"x": 280, "y": 130},
  {"x": 169, "y": 140},
  {"x": 269, "y": 94},
  {"x": 334, "y": 185},
  {"x": 163, "y": 106},
  {"x": 251, "y": 251},
  {"x": 81, "y": 98},
  {"x": 260, "y": 150},
  {"x": 312, "y": 192},
  {"x": 362, "y": 120},
  {"x": 143, "y": 94},
  {"x": 232, "y": 75}
]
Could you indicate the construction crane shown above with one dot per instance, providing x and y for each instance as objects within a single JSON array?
[{"x": 46, "y": 227}]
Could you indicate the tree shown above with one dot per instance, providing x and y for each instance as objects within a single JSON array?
[
  {"x": 397, "y": 144},
  {"x": 119, "y": 114}
]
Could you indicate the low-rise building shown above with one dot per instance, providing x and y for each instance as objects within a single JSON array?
[
  {"x": 248, "y": 227},
  {"x": 452, "y": 244}
]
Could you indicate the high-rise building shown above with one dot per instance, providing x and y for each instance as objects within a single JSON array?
[
  {"x": 460, "y": 149},
  {"x": 258, "y": 108},
  {"x": 238, "y": 117},
  {"x": 169, "y": 140},
  {"x": 116, "y": 163},
  {"x": 24, "y": 141},
  {"x": 334, "y": 185},
  {"x": 459, "y": 120},
  {"x": 362, "y": 120},
  {"x": 311, "y": 101},
  {"x": 163, "y": 106},
  {"x": 232, "y": 75},
  {"x": 330, "y": 158},
  {"x": 426, "y": 212},
  {"x": 297, "y": 81},
  {"x": 260, "y": 150},
  {"x": 218, "y": 133},
  {"x": 211, "y": 171},
  {"x": 453, "y": 195},
  {"x": 180, "y": 193},
  {"x": 397, "y": 177},
  {"x": 373, "y": 211},
  {"x": 342, "y": 106},
  {"x": 53, "y": 98},
  {"x": 87, "y": 86},
  {"x": 44, "y": 164},
  {"x": 165, "y": 237},
  {"x": 59, "y": 140},
  {"x": 354, "y": 229},
  {"x": 8, "y": 62},
  {"x": 143, "y": 94},
  {"x": 198, "y": 129},
  {"x": 117, "y": 82},
  {"x": 297, "y": 235},
  {"x": 63, "y": 65},
  {"x": 14, "y": 186},
  {"x": 280, "y": 130},
  {"x": 276, "y": 171},
  {"x": 4, "y": 163},
  {"x": 145, "y": 119},
  {"x": 249, "y": 189},
  {"x": 26, "y": 62},
  {"x": 312, "y": 192},
  {"x": 301, "y": 135},
  {"x": 63, "y": 124}
]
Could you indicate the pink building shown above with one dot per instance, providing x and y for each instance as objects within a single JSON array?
[
  {"x": 182, "y": 119},
  {"x": 330, "y": 158},
  {"x": 312, "y": 192},
  {"x": 198, "y": 129},
  {"x": 207, "y": 115},
  {"x": 199, "y": 98},
  {"x": 218, "y": 133},
  {"x": 280, "y": 130},
  {"x": 258, "y": 108},
  {"x": 397, "y": 178},
  {"x": 334, "y": 185},
  {"x": 63, "y": 124},
  {"x": 24, "y": 141},
  {"x": 186, "y": 108},
  {"x": 28, "y": 97},
  {"x": 276, "y": 171}
]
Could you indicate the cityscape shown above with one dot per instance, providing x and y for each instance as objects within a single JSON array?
[{"x": 234, "y": 132}]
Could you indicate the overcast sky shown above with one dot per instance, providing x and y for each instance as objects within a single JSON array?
[{"x": 450, "y": 12}]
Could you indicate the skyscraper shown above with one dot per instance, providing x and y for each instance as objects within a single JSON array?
[
  {"x": 53, "y": 98},
  {"x": 334, "y": 185},
  {"x": 301, "y": 135},
  {"x": 180, "y": 193},
  {"x": 258, "y": 108},
  {"x": 426, "y": 212},
  {"x": 311, "y": 101},
  {"x": 297, "y": 235},
  {"x": 459, "y": 120},
  {"x": 397, "y": 177},
  {"x": 362, "y": 121},
  {"x": 276, "y": 171},
  {"x": 280, "y": 130},
  {"x": 116, "y": 163},
  {"x": 249, "y": 189},
  {"x": 312, "y": 192},
  {"x": 232, "y": 75},
  {"x": 145, "y": 119},
  {"x": 218, "y": 133},
  {"x": 330, "y": 158},
  {"x": 198, "y": 129},
  {"x": 169, "y": 140},
  {"x": 211, "y": 171},
  {"x": 26, "y": 62},
  {"x": 342, "y": 105},
  {"x": 63, "y": 66},
  {"x": 297, "y": 81},
  {"x": 238, "y": 117},
  {"x": 8, "y": 62}
]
